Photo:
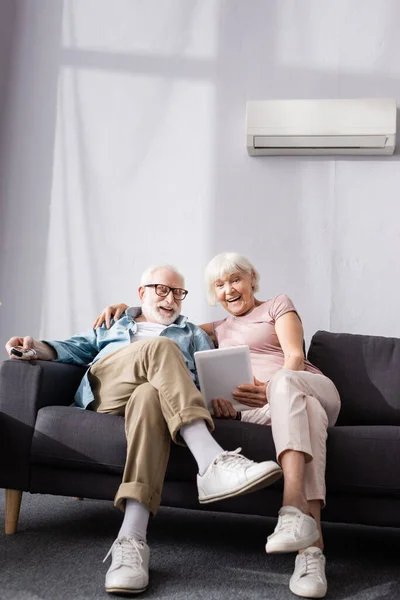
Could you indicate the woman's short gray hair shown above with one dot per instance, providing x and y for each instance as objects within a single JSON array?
[
  {"x": 225, "y": 264},
  {"x": 147, "y": 275}
]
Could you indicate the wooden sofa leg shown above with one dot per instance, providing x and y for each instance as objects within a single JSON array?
[{"x": 13, "y": 504}]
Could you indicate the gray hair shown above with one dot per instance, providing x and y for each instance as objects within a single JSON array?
[
  {"x": 225, "y": 264},
  {"x": 147, "y": 275}
]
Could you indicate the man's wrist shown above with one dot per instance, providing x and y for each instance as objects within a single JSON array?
[{"x": 46, "y": 351}]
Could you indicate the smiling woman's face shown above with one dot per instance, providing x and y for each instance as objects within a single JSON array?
[{"x": 234, "y": 292}]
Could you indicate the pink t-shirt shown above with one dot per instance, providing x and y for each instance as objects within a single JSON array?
[{"x": 257, "y": 330}]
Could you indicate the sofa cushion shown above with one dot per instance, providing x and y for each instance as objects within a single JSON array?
[
  {"x": 73, "y": 438},
  {"x": 359, "y": 461},
  {"x": 366, "y": 372},
  {"x": 363, "y": 460}
]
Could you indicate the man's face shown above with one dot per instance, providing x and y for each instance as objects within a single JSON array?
[{"x": 161, "y": 310}]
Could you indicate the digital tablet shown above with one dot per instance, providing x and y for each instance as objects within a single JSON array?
[{"x": 220, "y": 371}]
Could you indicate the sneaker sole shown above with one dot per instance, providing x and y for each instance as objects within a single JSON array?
[
  {"x": 299, "y": 591},
  {"x": 257, "y": 484},
  {"x": 124, "y": 591},
  {"x": 279, "y": 548}
]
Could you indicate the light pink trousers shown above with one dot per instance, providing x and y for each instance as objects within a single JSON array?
[{"x": 302, "y": 406}]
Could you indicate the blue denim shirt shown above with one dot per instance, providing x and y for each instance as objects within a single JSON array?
[{"x": 87, "y": 348}]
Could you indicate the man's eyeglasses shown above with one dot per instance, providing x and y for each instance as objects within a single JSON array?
[{"x": 163, "y": 291}]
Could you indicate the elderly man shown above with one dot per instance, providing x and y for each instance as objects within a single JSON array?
[{"x": 143, "y": 369}]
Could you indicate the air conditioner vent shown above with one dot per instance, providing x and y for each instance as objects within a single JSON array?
[{"x": 321, "y": 126}]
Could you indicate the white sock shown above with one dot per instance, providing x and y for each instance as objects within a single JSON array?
[
  {"x": 200, "y": 443},
  {"x": 135, "y": 521}
]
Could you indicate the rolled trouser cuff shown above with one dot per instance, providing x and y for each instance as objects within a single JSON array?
[
  {"x": 138, "y": 491},
  {"x": 185, "y": 417},
  {"x": 304, "y": 449},
  {"x": 319, "y": 496}
]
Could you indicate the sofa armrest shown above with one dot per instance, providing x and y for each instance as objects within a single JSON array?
[{"x": 25, "y": 387}]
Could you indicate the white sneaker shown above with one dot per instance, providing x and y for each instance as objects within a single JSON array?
[
  {"x": 294, "y": 531},
  {"x": 231, "y": 474},
  {"x": 308, "y": 579},
  {"x": 129, "y": 570}
]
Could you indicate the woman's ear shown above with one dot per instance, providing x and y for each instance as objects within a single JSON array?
[{"x": 253, "y": 281}]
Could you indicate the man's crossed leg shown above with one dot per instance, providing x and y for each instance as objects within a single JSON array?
[{"x": 149, "y": 384}]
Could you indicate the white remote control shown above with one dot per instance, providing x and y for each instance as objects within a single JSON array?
[{"x": 21, "y": 353}]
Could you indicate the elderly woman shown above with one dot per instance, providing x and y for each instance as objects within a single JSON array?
[{"x": 289, "y": 394}]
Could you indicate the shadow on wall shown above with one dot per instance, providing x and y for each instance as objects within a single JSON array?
[
  {"x": 26, "y": 164},
  {"x": 7, "y": 26},
  {"x": 271, "y": 197},
  {"x": 93, "y": 215},
  {"x": 237, "y": 76}
]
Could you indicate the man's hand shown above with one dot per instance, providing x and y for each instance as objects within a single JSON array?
[
  {"x": 253, "y": 396},
  {"x": 43, "y": 350},
  {"x": 223, "y": 409},
  {"x": 110, "y": 312}
]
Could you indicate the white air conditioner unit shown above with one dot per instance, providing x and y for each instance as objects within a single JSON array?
[{"x": 321, "y": 126}]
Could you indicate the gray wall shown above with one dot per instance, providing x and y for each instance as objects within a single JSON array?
[
  {"x": 7, "y": 36},
  {"x": 126, "y": 146},
  {"x": 27, "y": 148},
  {"x": 7, "y": 24}
]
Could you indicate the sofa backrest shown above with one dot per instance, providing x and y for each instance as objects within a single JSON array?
[{"x": 366, "y": 372}]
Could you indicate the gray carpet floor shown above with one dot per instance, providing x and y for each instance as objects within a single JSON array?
[{"x": 57, "y": 555}]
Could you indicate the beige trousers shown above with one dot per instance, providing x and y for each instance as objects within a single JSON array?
[
  {"x": 302, "y": 406},
  {"x": 148, "y": 383}
]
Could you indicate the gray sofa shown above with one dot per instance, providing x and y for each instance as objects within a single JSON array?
[{"x": 49, "y": 447}]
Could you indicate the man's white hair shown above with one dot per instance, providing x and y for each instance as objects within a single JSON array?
[
  {"x": 225, "y": 264},
  {"x": 147, "y": 275}
]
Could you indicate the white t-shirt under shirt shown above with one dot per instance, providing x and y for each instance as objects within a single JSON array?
[{"x": 147, "y": 330}]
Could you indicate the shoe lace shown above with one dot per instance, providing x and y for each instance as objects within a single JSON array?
[
  {"x": 287, "y": 523},
  {"x": 312, "y": 565},
  {"x": 127, "y": 552},
  {"x": 232, "y": 458}
]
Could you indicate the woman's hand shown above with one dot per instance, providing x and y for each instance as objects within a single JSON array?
[
  {"x": 223, "y": 409},
  {"x": 110, "y": 312},
  {"x": 251, "y": 395}
]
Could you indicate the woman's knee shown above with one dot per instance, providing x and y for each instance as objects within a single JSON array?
[
  {"x": 317, "y": 419},
  {"x": 279, "y": 385}
]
